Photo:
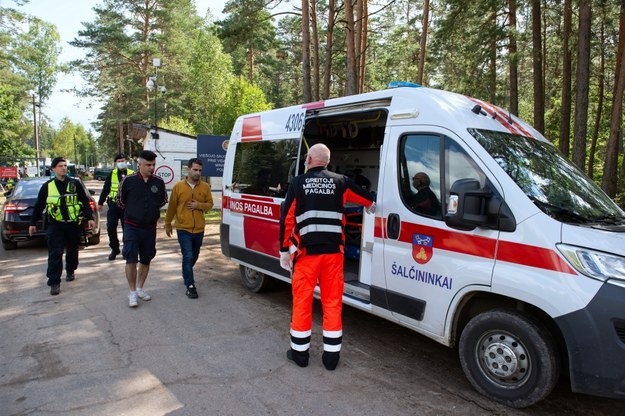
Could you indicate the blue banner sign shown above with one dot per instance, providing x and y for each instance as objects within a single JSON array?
[{"x": 212, "y": 151}]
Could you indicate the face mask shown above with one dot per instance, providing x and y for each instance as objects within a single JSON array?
[{"x": 121, "y": 165}]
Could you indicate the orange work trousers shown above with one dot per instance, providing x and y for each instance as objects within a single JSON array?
[{"x": 327, "y": 270}]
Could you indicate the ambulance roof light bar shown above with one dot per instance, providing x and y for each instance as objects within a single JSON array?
[{"x": 397, "y": 84}]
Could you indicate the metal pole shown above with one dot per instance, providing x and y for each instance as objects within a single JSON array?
[
  {"x": 35, "y": 126},
  {"x": 75, "y": 154},
  {"x": 155, "y": 102}
]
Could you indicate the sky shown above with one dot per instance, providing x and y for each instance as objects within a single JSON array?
[{"x": 67, "y": 15}]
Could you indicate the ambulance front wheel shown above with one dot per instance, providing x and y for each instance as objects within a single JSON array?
[
  {"x": 253, "y": 280},
  {"x": 509, "y": 358}
]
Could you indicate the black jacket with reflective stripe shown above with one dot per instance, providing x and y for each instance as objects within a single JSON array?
[{"x": 313, "y": 210}]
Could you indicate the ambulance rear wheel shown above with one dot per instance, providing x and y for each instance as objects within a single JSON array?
[
  {"x": 253, "y": 280},
  {"x": 509, "y": 358}
]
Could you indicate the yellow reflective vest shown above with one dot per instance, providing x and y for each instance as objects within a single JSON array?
[
  {"x": 115, "y": 182},
  {"x": 70, "y": 199}
]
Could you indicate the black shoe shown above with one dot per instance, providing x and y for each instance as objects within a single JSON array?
[
  {"x": 70, "y": 276},
  {"x": 300, "y": 361},
  {"x": 114, "y": 253},
  {"x": 330, "y": 360},
  {"x": 55, "y": 289},
  {"x": 191, "y": 292}
]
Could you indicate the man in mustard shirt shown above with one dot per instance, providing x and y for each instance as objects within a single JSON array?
[{"x": 190, "y": 198}]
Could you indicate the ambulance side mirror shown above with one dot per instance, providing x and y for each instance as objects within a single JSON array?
[
  {"x": 471, "y": 206},
  {"x": 467, "y": 205}
]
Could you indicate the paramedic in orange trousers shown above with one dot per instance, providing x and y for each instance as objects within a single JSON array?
[{"x": 312, "y": 245}]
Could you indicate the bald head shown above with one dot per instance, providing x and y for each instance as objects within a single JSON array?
[{"x": 318, "y": 155}]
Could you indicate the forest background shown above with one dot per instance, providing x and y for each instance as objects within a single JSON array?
[{"x": 559, "y": 64}]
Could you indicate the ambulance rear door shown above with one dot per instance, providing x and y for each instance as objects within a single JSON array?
[
  {"x": 426, "y": 263},
  {"x": 260, "y": 163}
]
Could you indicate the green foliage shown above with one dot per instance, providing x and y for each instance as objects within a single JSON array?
[
  {"x": 178, "y": 124},
  {"x": 36, "y": 57},
  {"x": 209, "y": 72},
  {"x": 241, "y": 98}
]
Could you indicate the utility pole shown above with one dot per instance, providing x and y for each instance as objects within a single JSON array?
[
  {"x": 152, "y": 84},
  {"x": 36, "y": 129}
]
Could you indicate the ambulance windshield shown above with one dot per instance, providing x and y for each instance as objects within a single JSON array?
[{"x": 549, "y": 179}]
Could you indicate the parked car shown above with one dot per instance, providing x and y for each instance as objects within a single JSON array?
[
  {"x": 101, "y": 174},
  {"x": 18, "y": 210}
]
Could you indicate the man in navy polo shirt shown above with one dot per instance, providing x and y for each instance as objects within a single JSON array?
[{"x": 141, "y": 196}]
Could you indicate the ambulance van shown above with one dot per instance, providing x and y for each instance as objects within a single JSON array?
[{"x": 485, "y": 237}]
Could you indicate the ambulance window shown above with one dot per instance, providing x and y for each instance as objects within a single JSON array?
[
  {"x": 420, "y": 174},
  {"x": 459, "y": 165},
  {"x": 262, "y": 168}
]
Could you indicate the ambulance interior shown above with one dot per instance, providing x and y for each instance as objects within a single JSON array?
[{"x": 354, "y": 137}]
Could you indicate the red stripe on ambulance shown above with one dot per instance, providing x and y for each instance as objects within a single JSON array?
[
  {"x": 252, "y": 130},
  {"x": 316, "y": 104},
  {"x": 262, "y": 235},
  {"x": 517, "y": 253}
]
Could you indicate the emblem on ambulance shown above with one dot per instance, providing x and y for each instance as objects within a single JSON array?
[{"x": 422, "y": 248}]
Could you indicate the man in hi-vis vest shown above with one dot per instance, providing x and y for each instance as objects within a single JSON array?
[
  {"x": 115, "y": 214},
  {"x": 67, "y": 205},
  {"x": 312, "y": 245}
]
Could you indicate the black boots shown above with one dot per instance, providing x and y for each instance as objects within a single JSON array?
[
  {"x": 330, "y": 359},
  {"x": 298, "y": 357},
  {"x": 114, "y": 253},
  {"x": 55, "y": 289}
]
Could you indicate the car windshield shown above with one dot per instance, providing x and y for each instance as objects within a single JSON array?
[
  {"x": 549, "y": 179},
  {"x": 27, "y": 189}
]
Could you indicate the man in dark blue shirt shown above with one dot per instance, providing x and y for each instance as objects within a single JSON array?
[{"x": 141, "y": 196}]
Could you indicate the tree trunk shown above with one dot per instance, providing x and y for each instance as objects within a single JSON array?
[
  {"x": 327, "y": 69},
  {"x": 352, "y": 86},
  {"x": 539, "y": 89},
  {"x": 492, "y": 71},
  {"x": 514, "y": 61},
  {"x": 315, "y": 50},
  {"x": 251, "y": 65},
  {"x": 565, "y": 111},
  {"x": 425, "y": 22},
  {"x": 358, "y": 41},
  {"x": 600, "y": 93},
  {"x": 362, "y": 61},
  {"x": 611, "y": 161},
  {"x": 580, "y": 127},
  {"x": 306, "y": 51}
]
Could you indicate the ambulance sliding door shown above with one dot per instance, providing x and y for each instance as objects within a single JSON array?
[{"x": 426, "y": 262}]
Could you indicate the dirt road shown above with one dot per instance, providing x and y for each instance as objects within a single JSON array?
[{"x": 85, "y": 352}]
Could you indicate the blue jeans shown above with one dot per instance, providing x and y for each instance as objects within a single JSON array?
[{"x": 190, "y": 244}]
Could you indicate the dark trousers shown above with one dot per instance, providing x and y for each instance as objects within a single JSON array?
[
  {"x": 62, "y": 236},
  {"x": 114, "y": 216},
  {"x": 190, "y": 244}
]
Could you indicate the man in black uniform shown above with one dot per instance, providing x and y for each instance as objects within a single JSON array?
[
  {"x": 115, "y": 214},
  {"x": 141, "y": 195},
  {"x": 67, "y": 203}
]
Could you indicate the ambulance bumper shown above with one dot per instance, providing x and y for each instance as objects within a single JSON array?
[{"x": 595, "y": 341}]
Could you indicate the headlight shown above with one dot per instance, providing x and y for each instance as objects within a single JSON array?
[{"x": 593, "y": 263}]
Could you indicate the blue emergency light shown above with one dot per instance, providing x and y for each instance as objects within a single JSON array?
[{"x": 397, "y": 84}]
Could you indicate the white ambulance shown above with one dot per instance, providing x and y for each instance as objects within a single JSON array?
[{"x": 484, "y": 237}]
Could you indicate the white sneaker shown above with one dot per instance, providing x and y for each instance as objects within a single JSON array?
[
  {"x": 142, "y": 294},
  {"x": 132, "y": 300}
]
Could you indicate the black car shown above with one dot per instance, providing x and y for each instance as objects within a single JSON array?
[
  {"x": 101, "y": 174},
  {"x": 18, "y": 210}
]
